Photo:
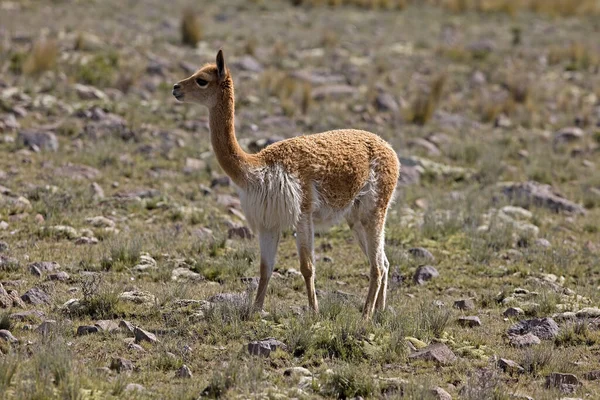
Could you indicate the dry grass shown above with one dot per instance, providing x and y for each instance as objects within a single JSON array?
[
  {"x": 424, "y": 105},
  {"x": 42, "y": 58},
  {"x": 191, "y": 29}
]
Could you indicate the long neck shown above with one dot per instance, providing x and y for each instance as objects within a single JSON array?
[{"x": 234, "y": 161}]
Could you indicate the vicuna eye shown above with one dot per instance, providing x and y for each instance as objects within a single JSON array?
[{"x": 201, "y": 82}]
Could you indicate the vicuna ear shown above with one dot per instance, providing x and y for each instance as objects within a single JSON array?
[{"x": 220, "y": 65}]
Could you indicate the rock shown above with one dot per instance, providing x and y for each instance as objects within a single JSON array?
[
  {"x": 471, "y": 321},
  {"x": 517, "y": 213},
  {"x": 440, "y": 394},
  {"x": 46, "y": 327},
  {"x": 107, "y": 325},
  {"x": 525, "y": 340},
  {"x": 421, "y": 253},
  {"x": 386, "y": 102},
  {"x": 589, "y": 312},
  {"x": 241, "y": 232},
  {"x": 464, "y": 304},
  {"x": 78, "y": 172},
  {"x": 434, "y": 169},
  {"x": 425, "y": 273},
  {"x": 438, "y": 352},
  {"x": 86, "y": 92},
  {"x": 416, "y": 343},
  {"x": 3, "y": 225},
  {"x": 233, "y": 298},
  {"x": 184, "y": 372},
  {"x": 565, "y": 382},
  {"x": 265, "y": 347},
  {"x": 85, "y": 240},
  {"x": 335, "y": 92},
  {"x": 38, "y": 140},
  {"x": 8, "y": 263},
  {"x": 297, "y": 371},
  {"x": 86, "y": 330},
  {"x": 184, "y": 274},
  {"x": 193, "y": 165},
  {"x": 120, "y": 364},
  {"x": 138, "y": 297},
  {"x": 126, "y": 326},
  {"x": 3, "y": 246},
  {"x": 144, "y": 336},
  {"x": 538, "y": 194},
  {"x": 135, "y": 347},
  {"x": 134, "y": 387},
  {"x": 247, "y": 63},
  {"x": 63, "y": 231},
  {"x": 592, "y": 375},
  {"x": 100, "y": 222},
  {"x": 568, "y": 135},
  {"x": 71, "y": 306},
  {"x": 28, "y": 316},
  {"x": 510, "y": 367},
  {"x": 36, "y": 296},
  {"x": 40, "y": 267},
  {"x": 61, "y": 276},
  {"x": 8, "y": 336},
  {"x": 512, "y": 312},
  {"x": 543, "y": 328},
  {"x": 426, "y": 145}
]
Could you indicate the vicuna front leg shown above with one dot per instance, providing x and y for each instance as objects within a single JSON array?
[
  {"x": 269, "y": 240},
  {"x": 305, "y": 245}
]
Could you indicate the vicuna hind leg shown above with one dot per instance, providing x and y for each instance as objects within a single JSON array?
[
  {"x": 269, "y": 240},
  {"x": 377, "y": 261},
  {"x": 305, "y": 244}
]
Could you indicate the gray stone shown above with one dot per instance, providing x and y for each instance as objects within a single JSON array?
[
  {"x": 265, "y": 347},
  {"x": 135, "y": 347},
  {"x": 100, "y": 222},
  {"x": 184, "y": 372},
  {"x": 97, "y": 191},
  {"x": 8, "y": 336},
  {"x": 543, "y": 328},
  {"x": 134, "y": 387},
  {"x": 247, "y": 63},
  {"x": 240, "y": 232},
  {"x": 592, "y": 375},
  {"x": 3, "y": 246},
  {"x": 87, "y": 330},
  {"x": 510, "y": 367},
  {"x": 297, "y": 371},
  {"x": 568, "y": 135},
  {"x": 425, "y": 273},
  {"x": 142, "y": 335},
  {"x": 464, "y": 304},
  {"x": 46, "y": 327},
  {"x": 470, "y": 321},
  {"x": 61, "y": 276},
  {"x": 513, "y": 312},
  {"x": 386, "y": 102},
  {"x": 335, "y": 92},
  {"x": 438, "y": 352},
  {"x": 525, "y": 340},
  {"x": 538, "y": 194},
  {"x": 126, "y": 326},
  {"x": 426, "y": 145},
  {"x": 421, "y": 253},
  {"x": 567, "y": 383},
  {"x": 28, "y": 316},
  {"x": 107, "y": 325},
  {"x": 38, "y": 140},
  {"x": 36, "y": 296},
  {"x": 138, "y": 297},
  {"x": 121, "y": 364},
  {"x": 86, "y": 92},
  {"x": 183, "y": 274},
  {"x": 440, "y": 394},
  {"x": 588, "y": 312}
]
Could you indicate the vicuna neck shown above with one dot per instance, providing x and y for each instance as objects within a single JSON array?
[{"x": 234, "y": 161}]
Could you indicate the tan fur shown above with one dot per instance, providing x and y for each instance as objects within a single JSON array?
[{"x": 343, "y": 172}]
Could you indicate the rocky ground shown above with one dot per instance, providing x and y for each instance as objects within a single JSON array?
[{"x": 126, "y": 266}]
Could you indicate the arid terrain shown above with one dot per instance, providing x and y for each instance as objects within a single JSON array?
[{"x": 127, "y": 269}]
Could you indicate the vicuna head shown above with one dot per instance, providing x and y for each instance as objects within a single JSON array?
[{"x": 206, "y": 86}]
